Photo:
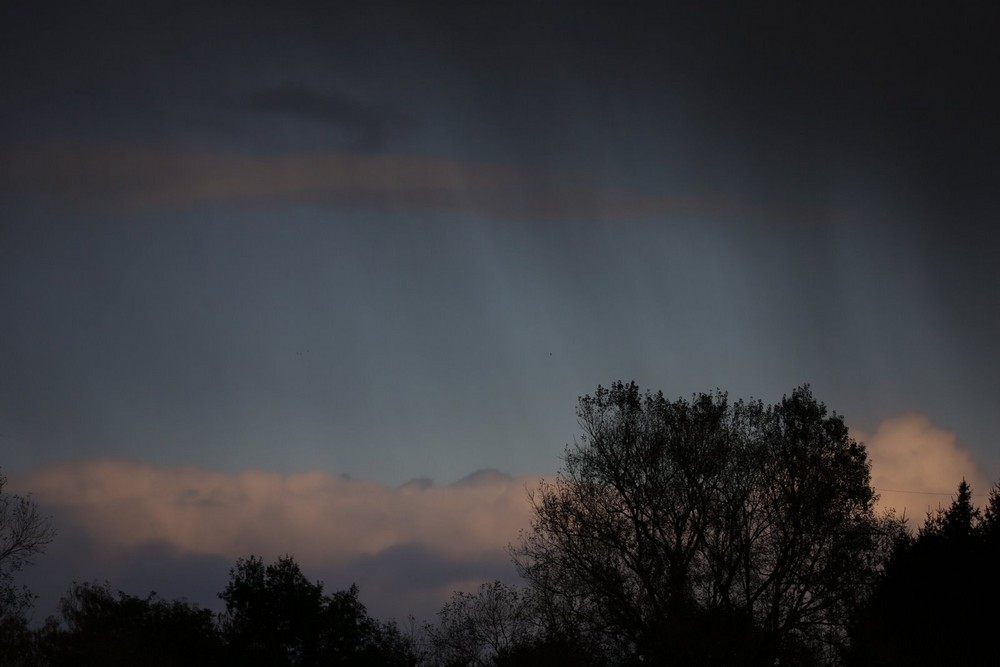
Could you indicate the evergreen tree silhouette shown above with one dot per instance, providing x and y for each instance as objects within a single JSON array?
[{"x": 931, "y": 606}]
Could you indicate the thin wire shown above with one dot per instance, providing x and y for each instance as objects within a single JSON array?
[{"x": 927, "y": 493}]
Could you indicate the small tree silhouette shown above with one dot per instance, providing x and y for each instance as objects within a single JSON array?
[
  {"x": 24, "y": 533},
  {"x": 959, "y": 522}
]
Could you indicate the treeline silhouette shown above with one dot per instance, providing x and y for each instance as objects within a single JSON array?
[
  {"x": 274, "y": 616},
  {"x": 684, "y": 532}
]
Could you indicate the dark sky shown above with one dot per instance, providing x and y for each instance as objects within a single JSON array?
[{"x": 398, "y": 240}]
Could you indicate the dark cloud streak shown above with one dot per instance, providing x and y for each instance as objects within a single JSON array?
[{"x": 368, "y": 127}]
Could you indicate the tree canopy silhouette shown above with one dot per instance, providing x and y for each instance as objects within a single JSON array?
[
  {"x": 100, "y": 627},
  {"x": 475, "y": 628},
  {"x": 500, "y": 626},
  {"x": 707, "y": 531},
  {"x": 276, "y": 616}
]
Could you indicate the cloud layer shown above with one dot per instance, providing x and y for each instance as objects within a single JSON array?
[
  {"x": 409, "y": 547},
  {"x": 178, "y": 530},
  {"x": 320, "y": 517}
]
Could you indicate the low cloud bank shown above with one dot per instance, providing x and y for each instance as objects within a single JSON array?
[
  {"x": 178, "y": 530},
  {"x": 318, "y": 516},
  {"x": 407, "y": 547}
]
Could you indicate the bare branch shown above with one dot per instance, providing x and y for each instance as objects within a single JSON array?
[{"x": 24, "y": 531}]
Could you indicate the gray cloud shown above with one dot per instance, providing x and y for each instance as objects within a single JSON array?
[
  {"x": 414, "y": 579},
  {"x": 367, "y": 126}
]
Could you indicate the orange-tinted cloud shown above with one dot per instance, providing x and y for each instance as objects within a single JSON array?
[
  {"x": 126, "y": 179},
  {"x": 917, "y": 466},
  {"x": 326, "y": 518},
  {"x": 320, "y": 517},
  {"x": 409, "y": 547}
]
